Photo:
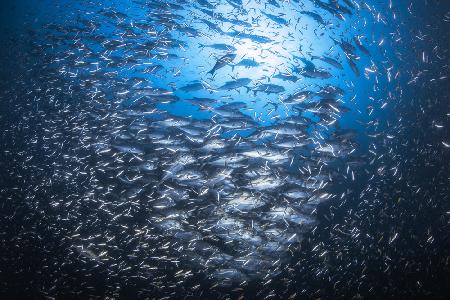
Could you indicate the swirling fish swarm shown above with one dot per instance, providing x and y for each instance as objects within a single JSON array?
[{"x": 173, "y": 145}]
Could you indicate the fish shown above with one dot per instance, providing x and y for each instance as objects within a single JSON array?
[
  {"x": 128, "y": 149},
  {"x": 329, "y": 61},
  {"x": 273, "y": 3},
  {"x": 218, "y": 46},
  {"x": 264, "y": 184},
  {"x": 153, "y": 69},
  {"x": 310, "y": 70},
  {"x": 297, "y": 194},
  {"x": 299, "y": 97},
  {"x": 286, "y": 77},
  {"x": 268, "y": 89},
  {"x": 195, "y": 86},
  {"x": 235, "y": 84},
  {"x": 277, "y": 19},
  {"x": 252, "y": 37},
  {"x": 321, "y": 74},
  {"x": 318, "y": 18},
  {"x": 233, "y": 21},
  {"x": 359, "y": 44},
  {"x": 353, "y": 66},
  {"x": 222, "y": 62},
  {"x": 205, "y": 3},
  {"x": 266, "y": 154},
  {"x": 247, "y": 63}
]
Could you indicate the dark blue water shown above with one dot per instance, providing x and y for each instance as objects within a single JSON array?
[{"x": 81, "y": 110}]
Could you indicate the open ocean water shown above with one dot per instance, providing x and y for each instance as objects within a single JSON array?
[{"x": 224, "y": 149}]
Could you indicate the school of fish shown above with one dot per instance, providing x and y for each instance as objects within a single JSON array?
[{"x": 184, "y": 148}]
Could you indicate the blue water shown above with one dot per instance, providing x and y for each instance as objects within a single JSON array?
[{"x": 385, "y": 231}]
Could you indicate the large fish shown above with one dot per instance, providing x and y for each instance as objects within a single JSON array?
[{"x": 222, "y": 62}]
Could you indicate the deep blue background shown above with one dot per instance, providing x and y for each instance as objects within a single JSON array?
[{"x": 417, "y": 268}]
